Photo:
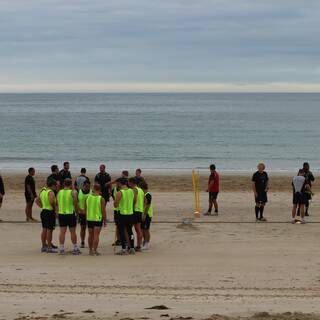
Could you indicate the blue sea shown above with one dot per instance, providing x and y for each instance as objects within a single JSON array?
[{"x": 160, "y": 132}]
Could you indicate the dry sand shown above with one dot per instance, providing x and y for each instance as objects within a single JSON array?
[{"x": 226, "y": 265}]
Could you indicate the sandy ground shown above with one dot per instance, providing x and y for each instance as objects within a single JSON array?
[{"x": 227, "y": 265}]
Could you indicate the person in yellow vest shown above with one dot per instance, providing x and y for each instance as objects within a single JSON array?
[
  {"x": 137, "y": 211},
  {"x": 67, "y": 205},
  {"x": 115, "y": 190},
  {"x": 125, "y": 201},
  {"x": 82, "y": 198},
  {"x": 147, "y": 216},
  {"x": 47, "y": 202},
  {"x": 96, "y": 216}
]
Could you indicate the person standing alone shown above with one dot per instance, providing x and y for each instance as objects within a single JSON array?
[
  {"x": 2, "y": 192},
  {"x": 213, "y": 189},
  {"x": 260, "y": 187},
  {"x": 30, "y": 194}
]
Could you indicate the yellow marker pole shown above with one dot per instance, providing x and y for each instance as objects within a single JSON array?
[{"x": 196, "y": 191}]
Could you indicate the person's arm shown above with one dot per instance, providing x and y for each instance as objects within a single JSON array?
[
  {"x": 2, "y": 191},
  {"x": 29, "y": 190},
  {"x": 52, "y": 200},
  {"x": 118, "y": 199},
  {"x": 254, "y": 187},
  {"x": 104, "y": 211},
  {"x": 267, "y": 184},
  {"x": 75, "y": 202},
  {"x": 147, "y": 204},
  {"x": 311, "y": 177},
  {"x": 135, "y": 196},
  {"x": 38, "y": 202}
]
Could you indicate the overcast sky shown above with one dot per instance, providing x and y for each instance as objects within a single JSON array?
[{"x": 165, "y": 45}]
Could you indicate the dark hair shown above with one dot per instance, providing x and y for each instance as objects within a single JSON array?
[
  {"x": 30, "y": 170},
  {"x": 301, "y": 171},
  {"x": 125, "y": 173},
  {"x": 306, "y": 164},
  {"x": 83, "y": 170},
  {"x": 51, "y": 183},
  {"x": 139, "y": 170},
  {"x": 67, "y": 182},
  {"x": 65, "y": 163},
  {"x": 54, "y": 167},
  {"x": 212, "y": 167},
  {"x": 133, "y": 180},
  {"x": 123, "y": 181}
]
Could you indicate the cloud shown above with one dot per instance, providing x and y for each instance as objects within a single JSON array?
[{"x": 164, "y": 41}]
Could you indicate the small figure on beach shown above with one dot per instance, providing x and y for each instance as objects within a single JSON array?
[
  {"x": 65, "y": 172},
  {"x": 260, "y": 187},
  {"x": 67, "y": 205},
  {"x": 47, "y": 202},
  {"x": 55, "y": 175},
  {"x": 308, "y": 192},
  {"x": 81, "y": 179},
  {"x": 147, "y": 217},
  {"x": 30, "y": 194},
  {"x": 2, "y": 192},
  {"x": 139, "y": 178},
  {"x": 213, "y": 190},
  {"x": 103, "y": 179},
  {"x": 299, "y": 185}
]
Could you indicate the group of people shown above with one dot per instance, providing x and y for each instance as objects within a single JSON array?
[
  {"x": 83, "y": 202},
  {"x": 301, "y": 186}
]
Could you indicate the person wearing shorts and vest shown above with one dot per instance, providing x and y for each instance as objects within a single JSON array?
[
  {"x": 125, "y": 203},
  {"x": 47, "y": 202},
  {"x": 137, "y": 211},
  {"x": 67, "y": 205},
  {"x": 115, "y": 190},
  {"x": 96, "y": 216},
  {"x": 147, "y": 216},
  {"x": 83, "y": 194}
]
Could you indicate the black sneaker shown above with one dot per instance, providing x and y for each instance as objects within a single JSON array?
[{"x": 53, "y": 246}]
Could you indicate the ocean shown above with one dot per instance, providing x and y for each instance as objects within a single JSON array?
[{"x": 160, "y": 132}]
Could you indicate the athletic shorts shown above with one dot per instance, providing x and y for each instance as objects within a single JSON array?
[
  {"x": 116, "y": 217},
  {"x": 28, "y": 198},
  {"x": 145, "y": 225},
  {"x": 213, "y": 196},
  {"x": 137, "y": 217},
  {"x": 93, "y": 224},
  {"x": 67, "y": 220},
  {"x": 262, "y": 197},
  {"x": 299, "y": 198},
  {"x": 48, "y": 219},
  {"x": 82, "y": 220}
]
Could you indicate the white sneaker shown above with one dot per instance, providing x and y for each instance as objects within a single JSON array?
[{"x": 145, "y": 247}]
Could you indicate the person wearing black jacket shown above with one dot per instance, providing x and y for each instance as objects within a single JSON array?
[
  {"x": 309, "y": 179},
  {"x": 65, "y": 172},
  {"x": 2, "y": 191},
  {"x": 103, "y": 179}
]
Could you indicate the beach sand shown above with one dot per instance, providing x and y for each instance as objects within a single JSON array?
[{"x": 227, "y": 265}]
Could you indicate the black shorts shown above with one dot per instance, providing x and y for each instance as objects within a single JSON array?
[
  {"x": 48, "y": 219},
  {"x": 262, "y": 197},
  {"x": 213, "y": 196},
  {"x": 93, "y": 224},
  {"x": 82, "y": 220},
  {"x": 145, "y": 225},
  {"x": 299, "y": 198},
  {"x": 116, "y": 217},
  {"x": 137, "y": 217},
  {"x": 67, "y": 220},
  {"x": 28, "y": 198}
]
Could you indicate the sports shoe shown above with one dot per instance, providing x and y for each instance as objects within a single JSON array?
[
  {"x": 44, "y": 249},
  {"x": 132, "y": 251},
  {"x": 82, "y": 245},
  {"x": 303, "y": 221},
  {"x": 137, "y": 249},
  {"x": 91, "y": 253},
  {"x": 97, "y": 253},
  {"x": 263, "y": 219},
  {"x": 76, "y": 252},
  {"x": 145, "y": 247},
  {"x": 307, "y": 214},
  {"x": 293, "y": 221},
  {"x": 33, "y": 219},
  {"x": 53, "y": 246},
  {"x": 61, "y": 251},
  {"x": 52, "y": 250},
  {"x": 122, "y": 252}
]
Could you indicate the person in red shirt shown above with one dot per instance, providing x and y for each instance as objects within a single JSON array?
[{"x": 213, "y": 189}]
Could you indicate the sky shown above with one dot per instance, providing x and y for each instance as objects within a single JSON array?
[{"x": 164, "y": 45}]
